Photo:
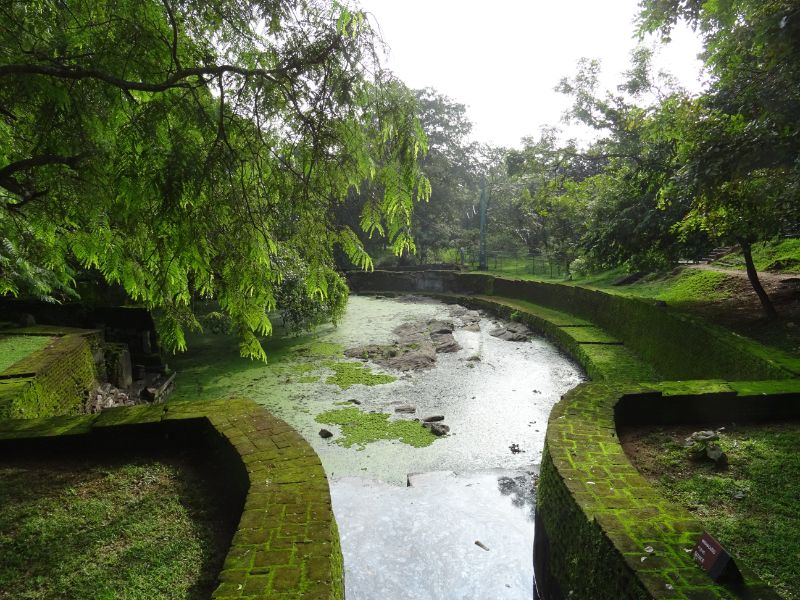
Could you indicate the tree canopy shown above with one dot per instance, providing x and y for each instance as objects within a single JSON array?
[{"x": 196, "y": 149}]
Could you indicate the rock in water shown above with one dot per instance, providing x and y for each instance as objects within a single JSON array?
[
  {"x": 445, "y": 342},
  {"x": 324, "y": 433},
  {"x": 437, "y": 429},
  {"x": 406, "y": 408},
  {"x": 512, "y": 332},
  {"x": 433, "y": 419}
]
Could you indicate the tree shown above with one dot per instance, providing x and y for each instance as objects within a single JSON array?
[
  {"x": 451, "y": 167},
  {"x": 550, "y": 198},
  {"x": 621, "y": 175},
  {"x": 188, "y": 148},
  {"x": 739, "y": 148}
]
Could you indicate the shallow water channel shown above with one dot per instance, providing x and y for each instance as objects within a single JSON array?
[{"x": 409, "y": 517}]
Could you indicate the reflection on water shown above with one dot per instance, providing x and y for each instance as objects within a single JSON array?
[{"x": 522, "y": 489}]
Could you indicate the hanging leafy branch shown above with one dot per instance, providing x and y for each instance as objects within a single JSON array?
[{"x": 186, "y": 149}]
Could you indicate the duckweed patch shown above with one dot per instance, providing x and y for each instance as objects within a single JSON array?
[
  {"x": 308, "y": 379},
  {"x": 361, "y": 428},
  {"x": 348, "y": 374},
  {"x": 324, "y": 349}
]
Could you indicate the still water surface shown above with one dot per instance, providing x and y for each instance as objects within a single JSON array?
[{"x": 417, "y": 541}]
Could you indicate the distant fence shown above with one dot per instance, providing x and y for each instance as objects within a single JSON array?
[{"x": 519, "y": 263}]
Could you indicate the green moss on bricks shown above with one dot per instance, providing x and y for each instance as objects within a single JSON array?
[
  {"x": 361, "y": 428},
  {"x": 337, "y": 564},
  {"x": 49, "y": 382},
  {"x": 348, "y": 374}
]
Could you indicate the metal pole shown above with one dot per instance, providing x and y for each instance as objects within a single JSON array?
[{"x": 484, "y": 263}]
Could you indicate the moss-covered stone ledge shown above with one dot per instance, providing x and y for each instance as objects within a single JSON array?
[
  {"x": 54, "y": 379},
  {"x": 286, "y": 545},
  {"x": 602, "y": 530},
  {"x": 603, "y": 356}
]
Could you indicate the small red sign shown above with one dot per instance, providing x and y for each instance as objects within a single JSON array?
[{"x": 711, "y": 556}]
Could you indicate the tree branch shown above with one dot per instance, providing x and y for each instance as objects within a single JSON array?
[
  {"x": 177, "y": 79},
  {"x": 38, "y": 161},
  {"x": 10, "y": 183}
]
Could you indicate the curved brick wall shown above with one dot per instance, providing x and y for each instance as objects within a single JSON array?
[
  {"x": 677, "y": 346},
  {"x": 286, "y": 545}
]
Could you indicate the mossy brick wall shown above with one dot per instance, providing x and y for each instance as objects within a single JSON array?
[
  {"x": 597, "y": 515},
  {"x": 286, "y": 546},
  {"x": 602, "y": 356},
  {"x": 52, "y": 381},
  {"x": 424, "y": 281},
  {"x": 569, "y": 547},
  {"x": 678, "y": 346}
]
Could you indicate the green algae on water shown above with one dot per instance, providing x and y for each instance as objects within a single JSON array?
[
  {"x": 361, "y": 428},
  {"x": 308, "y": 379},
  {"x": 302, "y": 368},
  {"x": 348, "y": 374},
  {"x": 328, "y": 349}
]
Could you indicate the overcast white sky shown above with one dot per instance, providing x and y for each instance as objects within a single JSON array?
[{"x": 502, "y": 58}]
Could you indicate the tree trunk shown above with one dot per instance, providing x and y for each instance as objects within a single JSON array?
[{"x": 752, "y": 275}]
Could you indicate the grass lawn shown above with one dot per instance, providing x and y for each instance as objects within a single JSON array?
[
  {"x": 783, "y": 255},
  {"x": 752, "y": 506},
  {"x": 17, "y": 347},
  {"x": 77, "y": 526}
]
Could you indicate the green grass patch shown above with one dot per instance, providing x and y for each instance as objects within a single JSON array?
[
  {"x": 14, "y": 348},
  {"x": 693, "y": 285},
  {"x": 74, "y": 527},
  {"x": 360, "y": 428},
  {"x": 752, "y": 506},
  {"x": 348, "y": 374},
  {"x": 783, "y": 256}
]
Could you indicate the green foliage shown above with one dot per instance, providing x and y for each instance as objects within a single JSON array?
[
  {"x": 738, "y": 147},
  {"x": 187, "y": 150},
  {"x": 782, "y": 256},
  {"x": 451, "y": 188},
  {"x": 360, "y": 428}
]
